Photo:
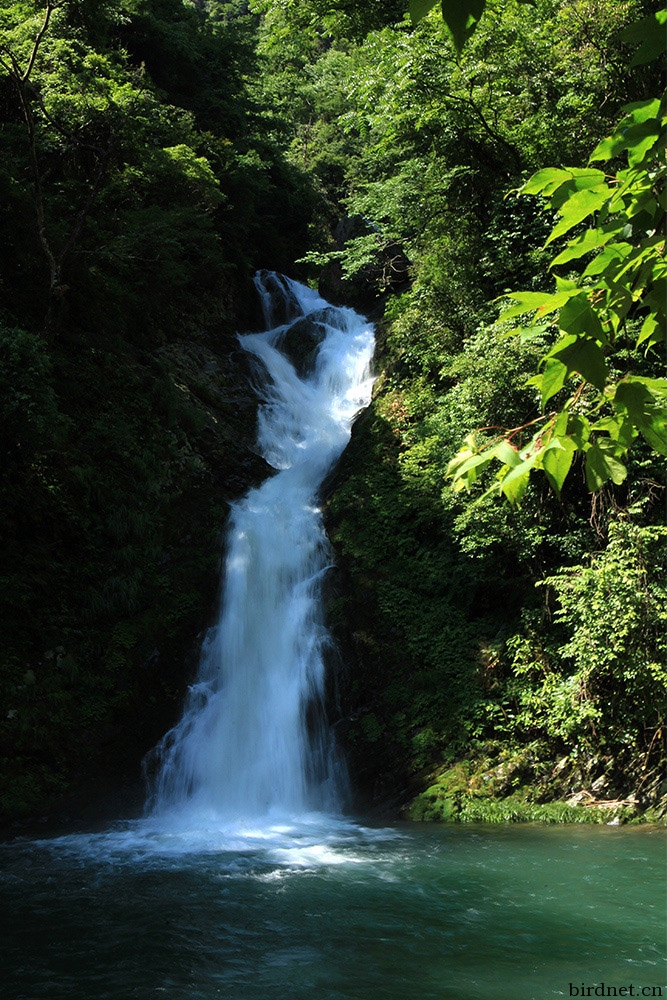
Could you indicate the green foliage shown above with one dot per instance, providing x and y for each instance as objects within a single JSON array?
[
  {"x": 139, "y": 192},
  {"x": 157, "y": 151},
  {"x": 618, "y": 296},
  {"x": 442, "y": 147},
  {"x": 601, "y": 693},
  {"x": 28, "y": 410},
  {"x": 460, "y": 16}
]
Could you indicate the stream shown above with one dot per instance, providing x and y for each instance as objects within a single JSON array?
[{"x": 244, "y": 879}]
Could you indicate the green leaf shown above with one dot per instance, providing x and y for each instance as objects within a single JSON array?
[
  {"x": 578, "y": 317},
  {"x": 543, "y": 302},
  {"x": 592, "y": 239},
  {"x": 551, "y": 380},
  {"x": 579, "y": 429},
  {"x": 656, "y": 386},
  {"x": 640, "y": 141},
  {"x": 638, "y": 125},
  {"x": 545, "y": 181},
  {"x": 653, "y": 331},
  {"x": 614, "y": 254},
  {"x": 654, "y": 431},
  {"x": 526, "y": 333},
  {"x": 507, "y": 454},
  {"x": 466, "y": 466},
  {"x": 621, "y": 430},
  {"x": 420, "y": 8},
  {"x": 640, "y": 111},
  {"x": 649, "y": 35},
  {"x": 515, "y": 489},
  {"x": 584, "y": 356},
  {"x": 513, "y": 484},
  {"x": 558, "y": 183},
  {"x": 634, "y": 398},
  {"x": 601, "y": 465},
  {"x": 578, "y": 207},
  {"x": 557, "y": 461},
  {"x": 461, "y": 16}
]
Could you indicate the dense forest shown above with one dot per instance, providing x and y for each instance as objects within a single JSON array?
[{"x": 490, "y": 189}]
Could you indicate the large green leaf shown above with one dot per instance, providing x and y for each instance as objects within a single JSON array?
[
  {"x": 420, "y": 8},
  {"x": 461, "y": 16},
  {"x": 507, "y": 454},
  {"x": 551, "y": 380},
  {"x": 592, "y": 239},
  {"x": 639, "y": 125},
  {"x": 558, "y": 183},
  {"x": 619, "y": 429},
  {"x": 579, "y": 429},
  {"x": 557, "y": 461},
  {"x": 602, "y": 464},
  {"x": 544, "y": 302},
  {"x": 514, "y": 483},
  {"x": 584, "y": 356},
  {"x": 633, "y": 397},
  {"x": 578, "y": 317},
  {"x": 654, "y": 330},
  {"x": 516, "y": 487},
  {"x": 650, "y": 35},
  {"x": 614, "y": 254},
  {"x": 578, "y": 207}
]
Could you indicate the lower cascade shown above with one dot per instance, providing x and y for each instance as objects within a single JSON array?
[{"x": 253, "y": 740}]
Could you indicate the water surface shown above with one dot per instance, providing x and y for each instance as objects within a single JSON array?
[{"x": 322, "y": 908}]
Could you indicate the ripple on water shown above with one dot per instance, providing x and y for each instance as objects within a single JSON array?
[{"x": 314, "y": 907}]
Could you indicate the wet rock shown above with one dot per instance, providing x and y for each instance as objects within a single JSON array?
[
  {"x": 283, "y": 305},
  {"x": 301, "y": 340}
]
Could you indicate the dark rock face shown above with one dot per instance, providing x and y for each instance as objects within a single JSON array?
[
  {"x": 367, "y": 289},
  {"x": 284, "y": 306},
  {"x": 301, "y": 340},
  {"x": 155, "y": 447}
]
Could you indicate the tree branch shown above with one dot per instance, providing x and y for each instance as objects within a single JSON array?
[{"x": 51, "y": 5}]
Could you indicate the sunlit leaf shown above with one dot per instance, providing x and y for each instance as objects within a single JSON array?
[
  {"x": 542, "y": 302},
  {"x": 552, "y": 379},
  {"x": 602, "y": 465},
  {"x": 592, "y": 239},
  {"x": 507, "y": 454},
  {"x": 578, "y": 317},
  {"x": 635, "y": 398},
  {"x": 615, "y": 253},
  {"x": 558, "y": 183},
  {"x": 585, "y": 357},
  {"x": 640, "y": 123},
  {"x": 514, "y": 483},
  {"x": 577, "y": 208},
  {"x": 619, "y": 429},
  {"x": 515, "y": 488},
  {"x": 653, "y": 331},
  {"x": 557, "y": 461},
  {"x": 579, "y": 429}
]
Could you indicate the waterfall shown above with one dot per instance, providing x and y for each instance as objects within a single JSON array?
[{"x": 253, "y": 739}]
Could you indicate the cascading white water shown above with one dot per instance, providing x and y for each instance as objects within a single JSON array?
[{"x": 252, "y": 740}]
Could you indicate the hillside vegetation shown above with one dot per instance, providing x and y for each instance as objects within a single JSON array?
[{"x": 499, "y": 517}]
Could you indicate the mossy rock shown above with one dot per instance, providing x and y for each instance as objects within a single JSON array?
[{"x": 461, "y": 795}]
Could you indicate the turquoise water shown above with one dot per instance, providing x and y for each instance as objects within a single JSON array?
[{"x": 322, "y": 908}]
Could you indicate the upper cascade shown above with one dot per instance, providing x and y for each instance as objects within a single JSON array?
[{"x": 253, "y": 738}]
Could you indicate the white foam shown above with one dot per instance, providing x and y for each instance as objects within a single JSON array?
[{"x": 252, "y": 739}]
